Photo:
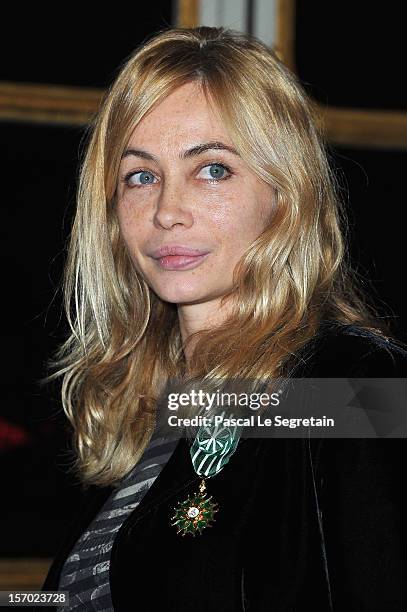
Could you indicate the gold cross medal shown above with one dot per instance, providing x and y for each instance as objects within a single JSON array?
[{"x": 195, "y": 513}]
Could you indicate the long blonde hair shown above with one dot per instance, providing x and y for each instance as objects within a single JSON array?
[{"x": 125, "y": 342}]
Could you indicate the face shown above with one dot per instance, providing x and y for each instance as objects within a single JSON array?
[{"x": 187, "y": 213}]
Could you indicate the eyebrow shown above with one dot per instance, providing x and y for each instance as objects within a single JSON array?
[{"x": 194, "y": 151}]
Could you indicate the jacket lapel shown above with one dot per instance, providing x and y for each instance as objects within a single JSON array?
[{"x": 177, "y": 474}]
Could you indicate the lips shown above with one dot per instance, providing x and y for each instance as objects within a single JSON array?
[
  {"x": 180, "y": 262},
  {"x": 176, "y": 249},
  {"x": 178, "y": 257}
]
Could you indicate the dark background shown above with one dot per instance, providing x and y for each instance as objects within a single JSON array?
[{"x": 343, "y": 58}]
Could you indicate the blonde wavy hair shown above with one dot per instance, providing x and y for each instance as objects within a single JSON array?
[{"x": 125, "y": 342}]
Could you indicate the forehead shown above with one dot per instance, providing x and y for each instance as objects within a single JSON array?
[{"x": 183, "y": 117}]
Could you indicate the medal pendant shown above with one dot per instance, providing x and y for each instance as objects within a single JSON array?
[{"x": 195, "y": 513}]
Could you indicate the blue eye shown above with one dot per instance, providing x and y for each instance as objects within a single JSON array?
[
  {"x": 146, "y": 178},
  {"x": 216, "y": 171}
]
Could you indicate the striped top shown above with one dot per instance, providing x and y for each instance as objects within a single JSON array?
[{"x": 85, "y": 573}]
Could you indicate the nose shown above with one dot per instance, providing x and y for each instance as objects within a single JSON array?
[{"x": 173, "y": 207}]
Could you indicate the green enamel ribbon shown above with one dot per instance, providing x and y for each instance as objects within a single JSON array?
[{"x": 213, "y": 447}]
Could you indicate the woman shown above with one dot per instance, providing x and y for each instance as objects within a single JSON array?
[{"x": 209, "y": 244}]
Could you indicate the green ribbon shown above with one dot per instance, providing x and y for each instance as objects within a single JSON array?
[{"x": 213, "y": 447}]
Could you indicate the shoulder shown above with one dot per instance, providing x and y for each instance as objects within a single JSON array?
[{"x": 340, "y": 350}]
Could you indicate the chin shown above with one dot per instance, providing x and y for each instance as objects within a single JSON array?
[{"x": 182, "y": 295}]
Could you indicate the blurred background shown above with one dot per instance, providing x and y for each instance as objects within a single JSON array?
[{"x": 55, "y": 66}]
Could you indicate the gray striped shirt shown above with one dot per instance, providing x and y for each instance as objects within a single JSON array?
[{"x": 85, "y": 573}]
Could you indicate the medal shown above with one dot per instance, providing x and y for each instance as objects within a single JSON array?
[
  {"x": 210, "y": 452},
  {"x": 195, "y": 513}
]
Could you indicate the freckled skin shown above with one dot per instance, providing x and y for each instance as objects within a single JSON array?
[{"x": 180, "y": 205}]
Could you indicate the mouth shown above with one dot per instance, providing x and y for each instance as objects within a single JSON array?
[{"x": 180, "y": 262}]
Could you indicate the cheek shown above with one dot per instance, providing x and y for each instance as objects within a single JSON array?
[
  {"x": 259, "y": 211},
  {"x": 124, "y": 228},
  {"x": 243, "y": 218},
  {"x": 227, "y": 214},
  {"x": 131, "y": 224}
]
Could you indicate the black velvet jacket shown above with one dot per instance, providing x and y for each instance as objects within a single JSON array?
[{"x": 303, "y": 524}]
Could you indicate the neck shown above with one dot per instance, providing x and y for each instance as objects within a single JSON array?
[{"x": 194, "y": 318}]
